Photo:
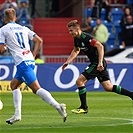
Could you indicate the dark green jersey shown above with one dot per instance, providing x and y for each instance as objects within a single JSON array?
[{"x": 86, "y": 46}]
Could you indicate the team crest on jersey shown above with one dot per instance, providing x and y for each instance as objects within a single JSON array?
[
  {"x": 82, "y": 44},
  {"x": 83, "y": 47}
]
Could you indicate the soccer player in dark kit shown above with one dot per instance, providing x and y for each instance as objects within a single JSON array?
[{"x": 94, "y": 50}]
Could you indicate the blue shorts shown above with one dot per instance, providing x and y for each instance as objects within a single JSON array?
[{"x": 25, "y": 72}]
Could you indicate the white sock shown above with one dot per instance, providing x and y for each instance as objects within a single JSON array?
[
  {"x": 47, "y": 97},
  {"x": 17, "y": 98}
]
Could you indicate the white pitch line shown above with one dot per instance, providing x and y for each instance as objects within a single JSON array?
[
  {"x": 126, "y": 119},
  {"x": 106, "y": 125},
  {"x": 130, "y": 121}
]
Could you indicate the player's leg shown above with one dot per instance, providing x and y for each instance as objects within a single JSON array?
[
  {"x": 47, "y": 97},
  {"x": 17, "y": 98},
  {"x": 44, "y": 94},
  {"x": 89, "y": 73},
  {"x": 82, "y": 95},
  {"x": 32, "y": 82},
  {"x": 108, "y": 86},
  {"x": 103, "y": 78}
]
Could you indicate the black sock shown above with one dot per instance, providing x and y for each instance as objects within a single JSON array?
[
  {"x": 119, "y": 90},
  {"x": 82, "y": 95}
]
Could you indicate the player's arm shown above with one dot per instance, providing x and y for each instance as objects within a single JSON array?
[
  {"x": 3, "y": 48},
  {"x": 38, "y": 43},
  {"x": 86, "y": 28},
  {"x": 72, "y": 56},
  {"x": 100, "y": 50}
]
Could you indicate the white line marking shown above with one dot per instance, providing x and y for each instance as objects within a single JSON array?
[{"x": 129, "y": 121}]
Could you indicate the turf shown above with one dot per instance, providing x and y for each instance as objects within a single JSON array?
[{"x": 108, "y": 113}]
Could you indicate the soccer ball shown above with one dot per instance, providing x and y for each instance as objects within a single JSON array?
[{"x": 1, "y": 105}]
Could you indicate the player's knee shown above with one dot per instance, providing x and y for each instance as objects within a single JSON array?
[
  {"x": 12, "y": 86},
  {"x": 35, "y": 90},
  {"x": 107, "y": 85},
  {"x": 79, "y": 82},
  {"x": 108, "y": 88}
]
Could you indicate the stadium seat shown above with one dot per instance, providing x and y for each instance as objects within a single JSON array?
[
  {"x": 55, "y": 35},
  {"x": 129, "y": 2},
  {"x": 93, "y": 23},
  {"x": 24, "y": 21},
  {"x": 117, "y": 26},
  {"x": 103, "y": 12},
  {"x": 116, "y": 14},
  {"x": 1, "y": 23},
  {"x": 111, "y": 41},
  {"x": 108, "y": 25},
  {"x": 87, "y": 12}
]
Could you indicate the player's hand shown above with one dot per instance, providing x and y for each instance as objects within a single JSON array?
[
  {"x": 3, "y": 48},
  {"x": 64, "y": 66},
  {"x": 100, "y": 67}
]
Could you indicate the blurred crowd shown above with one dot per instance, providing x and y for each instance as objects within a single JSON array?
[
  {"x": 104, "y": 27},
  {"x": 112, "y": 31},
  {"x": 22, "y": 10},
  {"x": 23, "y": 13}
]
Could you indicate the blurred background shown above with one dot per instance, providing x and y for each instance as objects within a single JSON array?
[{"x": 49, "y": 18}]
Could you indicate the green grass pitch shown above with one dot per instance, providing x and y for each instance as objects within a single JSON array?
[{"x": 108, "y": 113}]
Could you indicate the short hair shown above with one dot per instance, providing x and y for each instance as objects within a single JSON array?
[
  {"x": 9, "y": 14},
  {"x": 73, "y": 23}
]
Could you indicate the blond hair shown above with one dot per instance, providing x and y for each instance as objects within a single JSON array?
[
  {"x": 73, "y": 23},
  {"x": 9, "y": 14}
]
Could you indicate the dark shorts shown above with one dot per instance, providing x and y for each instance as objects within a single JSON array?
[{"x": 91, "y": 72}]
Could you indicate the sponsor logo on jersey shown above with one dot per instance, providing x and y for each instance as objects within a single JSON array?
[
  {"x": 26, "y": 52},
  {"x": 29, "y": 63}
]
